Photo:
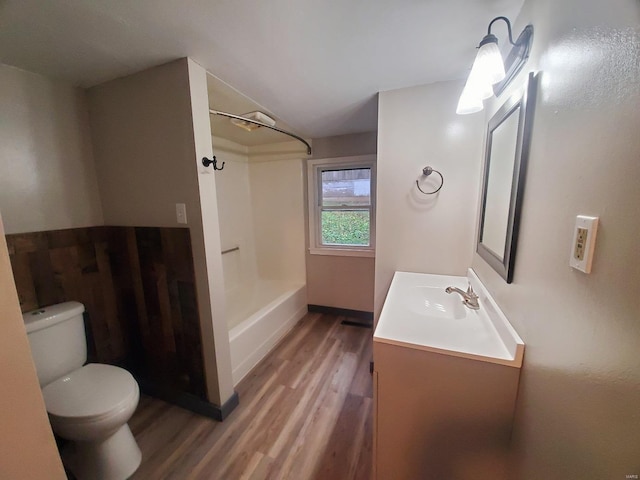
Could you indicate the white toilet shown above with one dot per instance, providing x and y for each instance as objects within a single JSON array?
[{"x": 88, "y": 405}]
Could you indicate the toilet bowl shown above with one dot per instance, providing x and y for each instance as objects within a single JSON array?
[
  {"x": 88, "y": 405},
  {"x": 91, "y": 407}
]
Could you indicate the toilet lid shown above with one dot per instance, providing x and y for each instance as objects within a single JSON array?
[{"x": 90, "y": 391}]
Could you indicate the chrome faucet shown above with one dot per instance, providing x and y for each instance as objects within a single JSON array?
[{"x": 469, "y": 298}]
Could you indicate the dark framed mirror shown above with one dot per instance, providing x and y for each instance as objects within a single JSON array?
[{"x": 505, "y": 165}]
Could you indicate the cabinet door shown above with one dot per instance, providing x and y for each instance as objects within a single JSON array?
[
  {"x": 441, "y": 417},
  {"x": 375, "y": 423}
]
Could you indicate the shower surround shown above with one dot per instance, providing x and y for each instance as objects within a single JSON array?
[{"x": 260, "y": 208}]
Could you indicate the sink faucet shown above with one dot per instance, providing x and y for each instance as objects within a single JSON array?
[{"x": 469, "y": 298}]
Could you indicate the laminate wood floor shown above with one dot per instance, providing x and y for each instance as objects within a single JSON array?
[{"x": 305, "y": 413}]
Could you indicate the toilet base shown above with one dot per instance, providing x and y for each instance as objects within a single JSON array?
[{"x": 115, "y": 458}]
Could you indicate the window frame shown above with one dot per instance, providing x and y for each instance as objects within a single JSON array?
[{"x": 314, "y": 169}]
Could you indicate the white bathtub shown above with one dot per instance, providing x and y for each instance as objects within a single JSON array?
[{"x": 258, "y": 316}]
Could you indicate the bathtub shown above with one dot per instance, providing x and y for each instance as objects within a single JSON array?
[{"x": 258, "y": 316}]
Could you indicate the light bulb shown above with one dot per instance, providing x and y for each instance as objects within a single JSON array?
[
  {"x": 475, "y": 91},
  {"x": 488, "y": 64},
  {"x": 479, "y": 86},
  {"x": 470, "y": 101}
]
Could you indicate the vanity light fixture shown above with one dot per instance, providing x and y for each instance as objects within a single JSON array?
[{"x": 488, "y": 75}]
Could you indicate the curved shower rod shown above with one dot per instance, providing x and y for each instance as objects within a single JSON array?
[{"x": 244, "y": 119}]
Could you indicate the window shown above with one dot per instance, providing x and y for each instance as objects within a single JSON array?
[{"x": 342, "y": 206}]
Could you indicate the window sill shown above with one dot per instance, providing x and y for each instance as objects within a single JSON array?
[{"x": 343, "y": 252}]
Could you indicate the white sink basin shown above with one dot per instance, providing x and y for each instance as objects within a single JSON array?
[
  {"x": 434, "y": 302},
  {"x": 418, "y": 313}
]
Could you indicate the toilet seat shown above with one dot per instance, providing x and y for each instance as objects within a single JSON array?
[{"x": 91, "y": 394}]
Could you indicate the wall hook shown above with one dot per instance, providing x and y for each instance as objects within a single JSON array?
[{"x": 206, "y": 162}]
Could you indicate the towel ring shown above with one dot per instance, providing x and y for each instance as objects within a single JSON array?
[{"x": 426, "y": 171}]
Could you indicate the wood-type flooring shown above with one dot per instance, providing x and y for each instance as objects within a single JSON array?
[{"x": 305, "y": 413}]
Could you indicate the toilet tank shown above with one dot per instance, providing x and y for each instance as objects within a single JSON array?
[{"x": 57, "y": 339}]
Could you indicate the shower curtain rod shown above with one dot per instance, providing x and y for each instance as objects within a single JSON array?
[{"x": 238, "y": 117}]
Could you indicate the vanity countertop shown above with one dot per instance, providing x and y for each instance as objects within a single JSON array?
[{"x": 417, "y": 313}]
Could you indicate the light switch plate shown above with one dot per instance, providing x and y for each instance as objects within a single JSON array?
[
  {"x": 584, "y": 242},
  {"x": 181, "y": 213}
]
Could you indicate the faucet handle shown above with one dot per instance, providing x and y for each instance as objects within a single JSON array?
[{"x": 470, "y": 291}]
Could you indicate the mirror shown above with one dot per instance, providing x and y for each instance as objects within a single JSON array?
[{"x": 505, "y": 162}]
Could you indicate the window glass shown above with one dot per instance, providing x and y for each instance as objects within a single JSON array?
[
  {"x": 346, "y": 187},
  {"x": 342, "y": 206},
  {"x": 345, "y": 227}
]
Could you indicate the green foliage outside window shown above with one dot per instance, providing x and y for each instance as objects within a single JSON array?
[{"x": 345, "y": 228}]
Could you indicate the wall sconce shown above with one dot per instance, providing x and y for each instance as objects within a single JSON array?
[{"x": 488, "y": 75}]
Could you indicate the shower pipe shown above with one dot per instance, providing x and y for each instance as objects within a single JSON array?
[{"x": 238, "y": 117}]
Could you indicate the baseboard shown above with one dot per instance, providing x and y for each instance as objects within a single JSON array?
[
  {"x": 191, "y": 402},
  {"x": 229, "y": 406},
  {"x": 362, "y": 315},
  {"x": 211, "y": 410}
]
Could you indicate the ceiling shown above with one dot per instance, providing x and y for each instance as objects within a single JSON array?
[{"x": 316, "y": 64}]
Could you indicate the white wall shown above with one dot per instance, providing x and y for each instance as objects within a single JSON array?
[
  {"x": 208, "y": 261},
  {"x": 345, "y": 145},
  {"x": 234, "y": 210},
  {"x": 149, "y": 132},
  {"x": 27, "y": 446},
  {"x": 425, "y": 233},
  {"x": 142, "y": 135},
  {"x": 334, "y": 281},
  {"x": 47, "y": 174},
  {"x": 579, "y": 398},
  {"x": 261, "y": 209},
  {"x": 278, "y": 209}
]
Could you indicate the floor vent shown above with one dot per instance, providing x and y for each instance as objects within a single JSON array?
[{"x": 357, "y": 323}]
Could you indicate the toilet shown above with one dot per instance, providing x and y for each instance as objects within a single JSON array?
[{"x": 89, "y": 405}]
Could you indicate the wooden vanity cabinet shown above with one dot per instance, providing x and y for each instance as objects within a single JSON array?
[{"x": 440, "y": 417}]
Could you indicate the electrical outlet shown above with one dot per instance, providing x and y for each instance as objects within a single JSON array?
[
  {"x": 580, "y": 242},
  {"x": 584, "y": 240},
  {"x": 181, "y": 213}
]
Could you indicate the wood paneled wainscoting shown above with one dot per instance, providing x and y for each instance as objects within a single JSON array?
[{"x": 138, "y": 288}]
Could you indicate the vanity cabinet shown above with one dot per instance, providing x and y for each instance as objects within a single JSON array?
[
  {"x": 439, "y": 416},
  {"x": 445, "y": 382}
]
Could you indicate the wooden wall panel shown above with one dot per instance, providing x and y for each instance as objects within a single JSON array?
[{"x": 138, "y": 288}]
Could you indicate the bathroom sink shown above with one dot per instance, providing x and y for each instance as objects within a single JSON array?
[
  {"x": 418, "y": 313},
  {"x": 434, "y": 302}
]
